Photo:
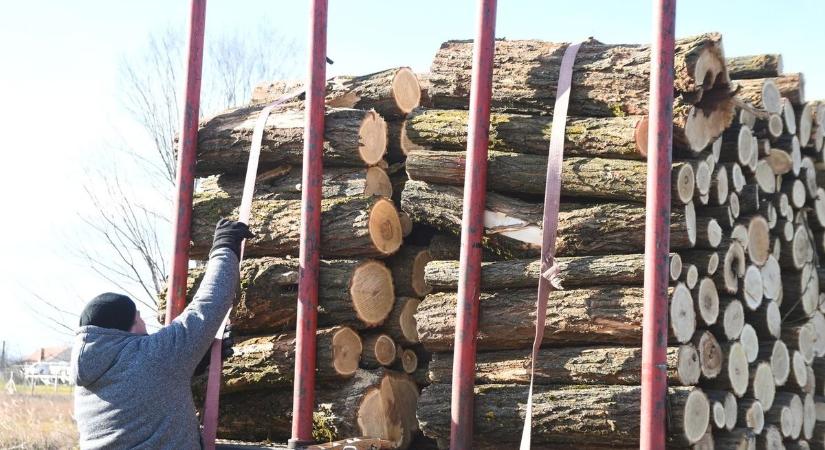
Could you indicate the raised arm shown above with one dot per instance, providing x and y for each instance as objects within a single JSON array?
[{"x": 188, "y": 337}]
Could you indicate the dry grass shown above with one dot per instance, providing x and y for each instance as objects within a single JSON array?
[{"x": 42, "y": 420}]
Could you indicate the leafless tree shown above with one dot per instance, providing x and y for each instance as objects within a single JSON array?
[{"x": 130, "y": 213}]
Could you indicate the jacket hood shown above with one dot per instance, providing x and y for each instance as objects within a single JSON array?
[{"x": 95, "y": 351}]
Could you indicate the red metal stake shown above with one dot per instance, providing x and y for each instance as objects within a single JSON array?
[
  {"x": 472, "y": 229},
  {"x": 304, "y": 387},
  {"x": 186, "y": 162},
  {"x": 657, "y": 228}
]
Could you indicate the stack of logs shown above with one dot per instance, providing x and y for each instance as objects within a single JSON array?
[
  {"x": 369, "y": 283},
  {"x": 746, "y": 325}
]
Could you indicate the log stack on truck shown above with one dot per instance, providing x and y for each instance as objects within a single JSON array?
[{"x": 746, "y": 323}]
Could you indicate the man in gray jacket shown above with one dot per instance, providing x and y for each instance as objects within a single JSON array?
[{"x": 133, "y": 389}]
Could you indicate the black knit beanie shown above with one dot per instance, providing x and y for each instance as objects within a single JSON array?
[{"x": 109, "y": 311}]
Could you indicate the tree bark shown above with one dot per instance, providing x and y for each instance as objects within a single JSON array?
[
  {"x": 587, "y": 417},
  {"x": 352, "y": 138},
  {"x": 265, "y": 362},
  {"x": 605, "y": 315},
  {"x": 392, "y": 92},
  {"x": 284, "y": 183},
  {"x": 754, "y": 66},
  {"x": 524, "y": 72},
  {"x": 570, "y": 365},
  {"x": 358, "y": 293},
  {"x": 350, "y": 226},
  {"x": 512, "y": 226},
  {"x": 604, "y": 137},
  {"x": 575, "y": 271},
  {"x": 377, "y": 403},
  {"x": 518, "y": 173}
]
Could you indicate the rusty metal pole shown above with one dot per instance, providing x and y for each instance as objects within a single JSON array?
[
  {"x": 186, "y": 162},
  {"x": 657, "y": 228},
  {"x": 303, "y": 401},
  {"x": 472, "y": 229}
]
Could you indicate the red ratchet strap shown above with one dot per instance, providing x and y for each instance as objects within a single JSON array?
[
  {"x": 210, "y": 409},
  {"x": 549, "y": 270}
]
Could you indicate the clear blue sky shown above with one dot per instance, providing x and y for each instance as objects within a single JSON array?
[{"x": 59, "y": 81}]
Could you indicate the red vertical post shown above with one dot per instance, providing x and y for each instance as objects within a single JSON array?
[
  {"x": 303, "y": 401},
  {"x": 657, "y": 228},
  {"x": 472, "y": 229},
  {"x": 186, "y": 162}
]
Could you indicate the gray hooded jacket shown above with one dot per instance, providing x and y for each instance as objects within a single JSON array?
[{"x": 133, "y": 391}]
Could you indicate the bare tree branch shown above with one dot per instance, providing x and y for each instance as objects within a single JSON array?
[{"x": 134, "y": 230}]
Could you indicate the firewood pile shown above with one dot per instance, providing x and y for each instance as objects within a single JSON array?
[
  {"x": 746, "y": 324},
  {"x": 370, "y": 282},
  {"x": 748, "y": 214}
]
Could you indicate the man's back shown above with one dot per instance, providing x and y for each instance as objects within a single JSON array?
[
  {"x": 126, "y": 399},
  {"x": 133, "y": 390}
]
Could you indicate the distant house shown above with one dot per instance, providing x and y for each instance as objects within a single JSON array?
[
  {"x": 49, "y": 365},
  {"x": 49, "y": 354}
]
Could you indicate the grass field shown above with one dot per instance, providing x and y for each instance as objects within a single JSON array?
[{"x": 42, "y": 420}]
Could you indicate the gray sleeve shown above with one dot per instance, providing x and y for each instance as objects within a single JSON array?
[{"x": 189, "y": 336}]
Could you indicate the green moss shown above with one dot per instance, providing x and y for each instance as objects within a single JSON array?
[
  {"x": 617, "y": 110},
  {"x": 323, "y": 430},
  {"x": 490, "y": 416}
]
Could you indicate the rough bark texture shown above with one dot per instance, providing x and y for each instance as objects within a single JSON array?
[
  {"x": 512, "y": 226},
  {"x": 754, "y": 66},
  {"x": 608, "y": 80},
  {"x": 224, "y": 140},
  {"x": 339, "y": 414},
  {"x": 563, "y": 418},
  {"x": 391, "y": 92},
  {"x": 575, "y": 271},
  {"x": 615, "y": 179},
  {"x": 265, "y": 362},
  {"x": 792, "y": 87},
  {"x": 284, "y": 183},
  {"x": 269, "y": 286},
  {"x": 605, "y": 137},
  {"x": 346, "y": 228},
  {"x": 571, "y": 365},
  {"x": 609, "y": 315}
]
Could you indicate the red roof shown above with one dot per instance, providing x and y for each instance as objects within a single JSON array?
[{"x": 50, "y": 354}]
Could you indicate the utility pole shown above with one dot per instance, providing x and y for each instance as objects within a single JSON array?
[{"x": 3, "y": 357}]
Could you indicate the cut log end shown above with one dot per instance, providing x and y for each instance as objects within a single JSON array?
[
  {"x": 682, "y": 314},
  {"x": 752, "y": 287},
  {"x": 406, "y": 91},
  {"x": 378, "y": 183},
  {"x": 737, "y": 369},
  {"x": 384, "y": 350},
  {"x": 707, "y": 120},
  {"x": 707, "y": 300},
  {"x": 675, "y": 266},
  {"x": 780, "y": 362},
  {"x": 733, "y": 320},
  {"x": 718, "y": 414},
  {"x": 711, "y": 357},
  {"x": 763, "y": 385},
  {"x": 688, "y": 366},
  {"x": 685, "y": 182},
  {"x": 372, "y": 294},
  {"x": 409, "y": 361},
  {"x": 750, "y": 341},
  {"x": 372, "y": 138},
  {"x": 759, "y": 240},
  {"x": 346, "y": 351},
  {"x": 385, "y": 227},
  {"x": 696, "y": 415},
  {"x": 406, "y": 320}
]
